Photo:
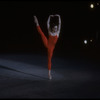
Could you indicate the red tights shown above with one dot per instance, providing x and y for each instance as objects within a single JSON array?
[{"x": 49, "y": 44}]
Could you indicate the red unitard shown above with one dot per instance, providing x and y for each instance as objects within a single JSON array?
[{"x": 49, "y": 44}]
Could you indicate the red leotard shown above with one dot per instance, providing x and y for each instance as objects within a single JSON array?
[{"x": 49, "y": 44}]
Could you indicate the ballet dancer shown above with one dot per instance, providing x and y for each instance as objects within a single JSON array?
[{"x": 49, "y": 43}]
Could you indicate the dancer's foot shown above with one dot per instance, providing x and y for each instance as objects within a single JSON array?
[{"x": 50, "y": 77}]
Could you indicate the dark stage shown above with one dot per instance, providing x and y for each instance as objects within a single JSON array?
[
  {"x": 23, "y": 57},
  {"x": 26, "y": 76}
]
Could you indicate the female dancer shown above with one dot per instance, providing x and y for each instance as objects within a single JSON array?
[{"x": 52, "y": 40}]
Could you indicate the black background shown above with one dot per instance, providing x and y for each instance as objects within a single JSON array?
[{"x": 18, "y": 31}]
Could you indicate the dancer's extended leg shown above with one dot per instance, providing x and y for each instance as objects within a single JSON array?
[{"x": 44, "y": 39}]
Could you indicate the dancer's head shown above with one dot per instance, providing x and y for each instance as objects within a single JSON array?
[{"x": 54, "y": 28}]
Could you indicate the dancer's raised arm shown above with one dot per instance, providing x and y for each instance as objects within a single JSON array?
[
  {"x": 48, "y": 22},
  {"x": 59, "y": 23}
]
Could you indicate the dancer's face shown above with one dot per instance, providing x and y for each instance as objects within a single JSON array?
[{"x": 55, "y": 29}]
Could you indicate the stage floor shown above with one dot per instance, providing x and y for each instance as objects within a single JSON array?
[{"x": 26, "y": 76}]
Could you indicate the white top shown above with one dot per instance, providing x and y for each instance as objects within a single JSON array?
[
  {"x": 54, "y": 34},
  {"x": 59, "y": 27}
]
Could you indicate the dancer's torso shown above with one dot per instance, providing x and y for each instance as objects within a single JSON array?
[{"x": 52, "y": 41}]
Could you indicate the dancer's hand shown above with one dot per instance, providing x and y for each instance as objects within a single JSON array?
[
  {"x": 51, "y": 15},
  {"x": 57, "y": 15},
  {"x": 36, "y": 20}
]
